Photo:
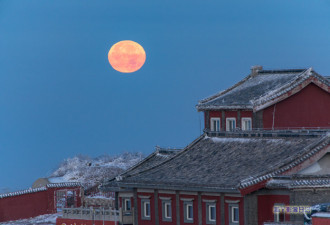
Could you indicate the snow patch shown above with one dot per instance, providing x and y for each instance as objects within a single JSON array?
[
  {"x": 244, "y": 140},
  {"x": 46, "y": 219},
  {"x": 92, "y": 171}
]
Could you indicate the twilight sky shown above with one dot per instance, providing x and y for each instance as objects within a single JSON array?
[{"x": 59, "y": 96}]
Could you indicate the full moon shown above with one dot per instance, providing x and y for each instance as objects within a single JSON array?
[{"x": 126, "y": 56}]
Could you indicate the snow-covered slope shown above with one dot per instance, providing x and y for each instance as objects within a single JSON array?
[
  {"x": 48, "y": 219},
  {"x": 92, "y": 171}
]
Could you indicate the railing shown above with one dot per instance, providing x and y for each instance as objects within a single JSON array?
[
  {"x": 259, "y": 132},
  {"x": 104, "y": 214}
]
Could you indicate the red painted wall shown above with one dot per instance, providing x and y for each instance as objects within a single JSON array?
[
  {"x": 152, "y": 209},
  {"x": 195, "y": 206},
  {"x": 218, "y": 210},
  {"x": 240, "y": 208},
  {"x": 266, "y": 204},
  {"x": 308, "y": 108},
  {"x": 320, "y": 221},
  {"x": 61, "y": 221},
  {"x": 173, "y": 204},
  {"x": 218, "y": 114},
  {"x": 31, "y": 204}
]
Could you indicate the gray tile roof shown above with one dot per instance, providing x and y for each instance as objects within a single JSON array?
[
  {"x": 157, "y": 157},
  {"x": 257, "y": 89},
  {"x": 227, "y": 163}
]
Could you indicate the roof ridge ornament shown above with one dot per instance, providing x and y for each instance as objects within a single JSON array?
[{"x": 255, "y": 70}]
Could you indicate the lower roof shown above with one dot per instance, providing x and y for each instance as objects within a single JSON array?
[{"x": 225, "y": 163}]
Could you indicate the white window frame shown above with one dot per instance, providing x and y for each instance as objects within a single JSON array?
[
  {"x": 166, "y": 212},
  {"x": 215, "y": 214},
  {"x": 228, "y": 123},
  {"x": 244, "y": 119},
  {"x": 217, "y": 119},
  {"x": 233, "y": 214},
  {"x": 277, "y": 214},
  {"x": 125, "y": 204},
  {"x": 187, "y": 211},
  {"x": 145, "y": 209}
]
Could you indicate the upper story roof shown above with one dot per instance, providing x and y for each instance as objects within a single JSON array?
[
  {"x": 262, "y": 88},
  {"x": 228, "y": 164}
]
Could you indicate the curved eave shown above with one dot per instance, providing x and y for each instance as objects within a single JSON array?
[{"x": 325, "y": 141}]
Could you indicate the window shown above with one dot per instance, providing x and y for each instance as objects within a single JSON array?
[
  {"x": 127, "y": 204},
  {"x": 188, "y": 212},
  {"x": 210, "y": 213},
  {"x": 167, "y": 210},
  {"x": 65, "y": 199},
  {"x": 230, "y": 124},
  {"x": 145, "y": 206},
  {"x": 215, "y": 124},
  {"x": 233, "y": 214},
  {"x": 246, "y": 123},
  {"x": 279, "y": 212}
]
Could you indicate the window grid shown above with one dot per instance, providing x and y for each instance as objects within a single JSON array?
[
  {"x": 189, "y": 211},
  {"x": 147, "y": 209},
  {"x": 246, "y": 123},
  {"x": 230, "y": 124},
  {"x": 234, "y": 214},
  {"x": 215, "y": 124},
  {"x": 167, "y": 210},
  {"x": 212, "y": 216}
]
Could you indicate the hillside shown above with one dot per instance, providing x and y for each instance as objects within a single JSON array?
[{"x": 90, "y": 171}]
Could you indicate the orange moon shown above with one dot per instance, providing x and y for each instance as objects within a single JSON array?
[{"x": 126, "y": 56}]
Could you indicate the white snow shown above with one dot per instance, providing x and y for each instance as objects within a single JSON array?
[
  {"x": 244, "y": 140},
  {"x": 321, "y": 214},
  {"x": 92, "y": 171},
  {"x": 46, "y": 219}
]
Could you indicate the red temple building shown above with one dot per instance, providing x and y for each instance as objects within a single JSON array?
[{"x": 264, "y": 158}]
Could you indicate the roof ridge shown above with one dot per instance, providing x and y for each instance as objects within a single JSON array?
[
  {"x": 180, "y": 153},
  {"x": 224, "y": 91},
  {"x": 262, "y": 101},
  {"x": 281, "y": 71}
]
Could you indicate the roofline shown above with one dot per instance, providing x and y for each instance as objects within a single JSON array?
[
  {"x": 120, "y": 177},
  {"x": 268, "y": 99},
  {"x": 288, "y": 164},
  {"x": 181, "y": 152},
  {"x": 224, "y": 91},
  {"x": 280, "y": 94},
  {"x": 44, "y": 188},
  {"x": 155, "y": 152}
]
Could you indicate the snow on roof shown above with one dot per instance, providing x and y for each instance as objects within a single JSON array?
[
  {"x": 321, "y": 214},
  {"x": 211, "y": 163},
  {"x": 258, "y": 89}
]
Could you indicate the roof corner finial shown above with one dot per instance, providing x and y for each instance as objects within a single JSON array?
[
  {"x": 309, "y": 70},
  {"x": 157, "y": 148},
  {"x": 255, "y": 69}
]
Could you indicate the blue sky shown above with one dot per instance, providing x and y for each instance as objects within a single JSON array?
[{"x": 60, "y": 97}]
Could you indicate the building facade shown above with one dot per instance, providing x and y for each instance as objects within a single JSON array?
[{"x": 264, "y": 157}]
